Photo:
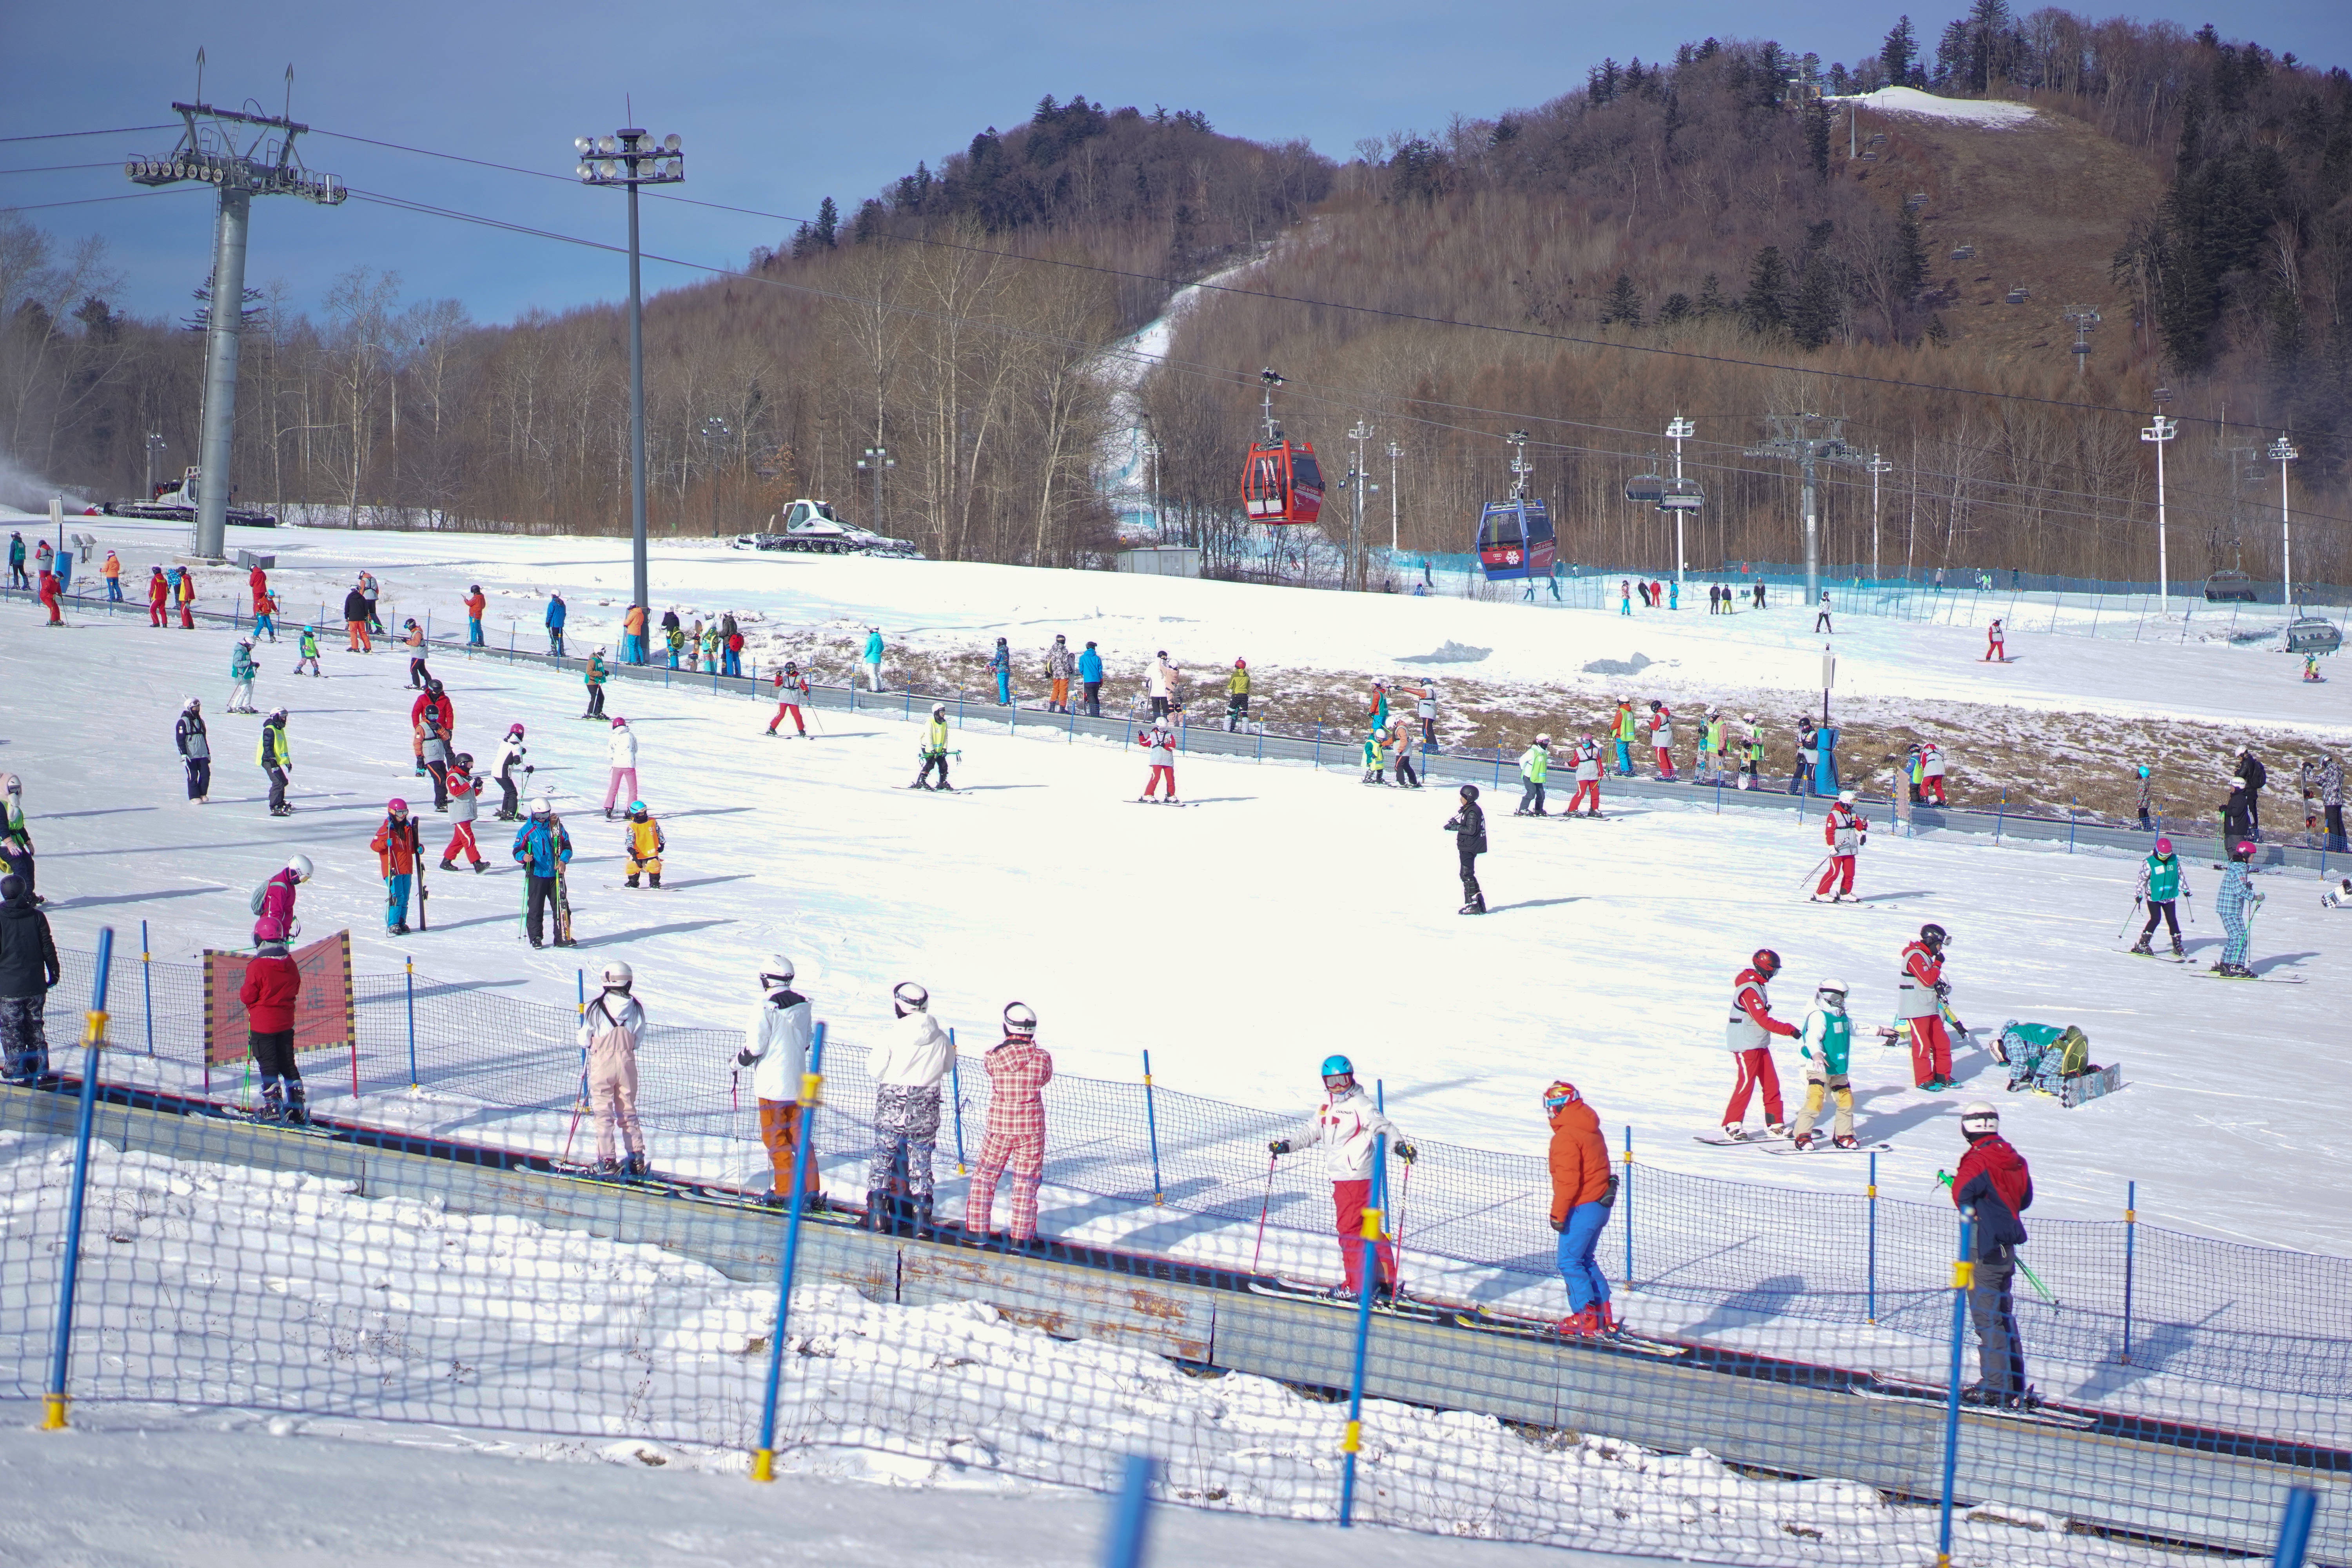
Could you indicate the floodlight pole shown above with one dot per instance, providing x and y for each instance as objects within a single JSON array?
[
  {"x": 1877, "y": 466},
  {"x": 2160, "y": 432},
  {"x": 1678, "y": 430},
  {"x": 1360, "y": 434},
  {"x": 1395, "y": 452},
  {"x": 2283, "y": 452}
]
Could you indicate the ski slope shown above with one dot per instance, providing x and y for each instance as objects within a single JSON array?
[{"x": 1294, "y": 913}]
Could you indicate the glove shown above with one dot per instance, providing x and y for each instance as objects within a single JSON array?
[
  {"x": 746, "y": 1058},
  {"x": 1943, "y": 990},
  {"x": 1279, "y": 1146},
  {"x": 1560, "y": 1225},
  {"x": 1407, "y": 1153},
  {"x": 1608, "y": 1193}
]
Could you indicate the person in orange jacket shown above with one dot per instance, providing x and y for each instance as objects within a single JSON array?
[
  {"x": 112, "y": 573},
  {"x": 475, "y": 605},
  {"x": 632, "y": 635},
  {"x": 396, "y": 855},
  {"x": 188, "y": 598},
  {"x": 1583, "y": 1189}
]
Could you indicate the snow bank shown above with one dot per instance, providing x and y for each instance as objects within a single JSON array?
[{"x": 1993, "y": 115}]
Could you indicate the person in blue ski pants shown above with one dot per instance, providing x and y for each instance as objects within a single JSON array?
[
  {"x": 1583, "y": 1189},
  {"x": 1000, "y": 665}
]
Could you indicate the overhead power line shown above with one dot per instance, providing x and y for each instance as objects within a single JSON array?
[{"x": 62, "y": 135}]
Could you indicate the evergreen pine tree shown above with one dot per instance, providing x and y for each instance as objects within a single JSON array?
[
  {"x": 1711, "y": 302},
  {"x": 1622, "y": 304},
  {"x": 1899, "y": 54},
  {"x": 1764, "y": 310},
  {"x": 1817, "y": 137},
  {"x": 1815, "y": 315}
]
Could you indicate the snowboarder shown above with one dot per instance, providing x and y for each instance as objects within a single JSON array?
[
  {"x": 1347, "y": 1126},
  {"x": 1845, "y": 831},
  {"x": 1826, "y": 1044},
  {"x": 433, "y": 702},
  {"x": 2160, "y": 883},
  {"x": 1583, "y": 1191},
  {"x": 642, "y": 844},
  {"x": 1921, "y": 989},
  {"x": 906, "y": 1068},
  {"x": 29, "y": 968},
  {"x": 1748, "y": 1037},
  {"x": 1662, "y": 739},
  {"x": 594, "y": 677},
  {"x": 610, "y": 1029},
  {"x": 1018, "y": 1072},
  {"x": 271, "y": 990},
  {"x": 276, "y": 759},
  {"x": 1468, "y": 826},
  {"x": 356, "y": 614},
  {"x": 1237, "y": 696},
  {"x": 465, "y": 790},
  {"x": 475, "y": 605},
  {"x": 934, "y": 752},
  {"x": 775, "y": 1048},
  {"x": 504, "y": 762},
  {"x": 1995, "y": 1182},
  {"x": 791, "y": 691},
  {"x": 195, "y": 749},
  {"x": 1090, "y": 675},
  {"x": 309, "y": 650},
  {"x": 541, "y": 847},
  {"x": 1000, "y": 665},
  {"x": 872, "y": 659},
  {"x": 1995, "y": 651},
  {"x": 1587, "y": 778},
  {"x": 273, "y": 901},
  {"x": 557, "y": 613},
  {"x": 621, "y": 756},
  {"x": 2236, "y": 904},
  {"x": 1535, "y": 766},
  {"x": 1159, "y": 742},
  {"x": 397, "y": 853}
]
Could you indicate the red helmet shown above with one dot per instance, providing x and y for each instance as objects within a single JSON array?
[
  {"x": 1765, "y": 962},
  {"x": 1561, "y": 1092}
]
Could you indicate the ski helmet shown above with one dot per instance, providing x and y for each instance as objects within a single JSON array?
[
  {"x": 2143, "y": 769},
  {"x": 2238, "y": 782},
  {"x": 2244, "y": 850},
  {"x": 2164, "y": 846},
  {"x": 433, "y": 686},
  {"x": 1747, "y": 718},
  {"x": 777, "y": 971},
  {"x": 1845, "y": 797},
  {"x": 245, "y": 642},
  {"x": 475, "y": 589},
  {"x": 1935, "y": 935},
  {"x": 410, "y": 621},
  {"x": 619, "y": 722},
  {"x": 1832, "y": 987},
  {"x": 618, "y": 976},
  {"x": 396, "y": 806},
  {"x": 465, "y": 760},
  {"x": 190, "y": 705},
  {"x": 636, "y": 808},
  {"x": 301, "y": 868},
  {"x": 543, "y": 806},
  {"x": 1980, "y": 1119},
  {"x": 277, "y": 713},
  {"x": 1469, "y": 792},
  {"x": 1543, "y": 739},
  {"x": 1765, "y": 962},
  {"x": 911, "y": 997},
  {"x": 515, "y": 730},
  {"x": 939, "y": 710},
  {"x": 1019, "y": 1021},
  {"x": 791, "y": 668},
  {"x": 1560, "y": 1093},
  {"x": 1238, "y": 664}
]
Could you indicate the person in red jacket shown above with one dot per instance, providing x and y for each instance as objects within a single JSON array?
[
  {"x": 1995, "y": 651},
  {"x": 438, "y": 702},
  {"x": 1919, "y": 1002},
  {"x": 159, "y": 596},
  {"x": 791, "y": 691},
  {"x": 1583, "y": 1190},
  {"x": 1995, "y": 1187},
  {"x": 1748, "y": 1037},
  {"x": 49, "y": 593},
  {"x": 1845, "y": 830},
  {"x": 272, "y": 987}
]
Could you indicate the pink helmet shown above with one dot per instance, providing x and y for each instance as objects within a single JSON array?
[
  {"x": 2164, "y": 846},
  {"x": 619, "y": 722},
  {"x": 396, "y": 803}
]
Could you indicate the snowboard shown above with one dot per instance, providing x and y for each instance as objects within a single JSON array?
[
  {"x": 1147, "y": 800},
  {"x": 1823, "y": 1146},
  {"x": 1720, "y": 1142}
]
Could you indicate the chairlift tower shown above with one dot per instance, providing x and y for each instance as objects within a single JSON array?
[
  {"x": 241, "y": 156},
  {"x": 2085, "y": 318},
  {"x": 2160, "y": 432},
  {"x": 1793, "y": 439},
  {"x": 1359, "y": 434},
  {"x": 2283, "y": 452},
  {"x": 1678, "y": 430},
  {"x": 1874, "y": 467}
]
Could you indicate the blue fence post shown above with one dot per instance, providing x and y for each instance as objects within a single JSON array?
[
  {"x": 1963, "y": 1275},
  {"x": 2294, "y": 1526},
  {"x": 763, "y": 1458},
  {"x": 1872, "y": 1314},
  {"x": 147, "y": 985},
  {"x": 1129, "y": 1525},
  {"x": 410, "y": 960},
  {"x": 2131, "y": 1232},
  {"x": 955, "y": 1089},
  {"x": 53, "y": 1415},
  {"x": 1625, "y": 1196},
  {"x": 1151, "y": 1124},
  {"x": 1318, "y": 745},
  {"x": 2070, "y": 806},
  {"x": 1367, "y": 1279},
  {"x": 2000, "y": 816}
]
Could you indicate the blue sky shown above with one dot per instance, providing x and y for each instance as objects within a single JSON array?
[{"x": 778, "y": 105}]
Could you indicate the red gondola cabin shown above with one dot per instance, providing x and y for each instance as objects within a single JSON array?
[{"x": 1282, "y": 482}]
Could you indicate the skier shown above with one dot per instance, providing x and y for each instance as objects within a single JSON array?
[
  {"x": 434, "y": 742},
  {"x": 1583, "y": 1191},
  {"x": 557, "y": 613},
  {"x": 713, "y": 640},
  {"x": 264, "y": 612},
  {"x": 610, "y": 1029},
  {"x": 1845, "y": 831},
  {"x": 1931, "y": 773},
  {"x": 642, "y": 844},
  {"x": 2237, "y": 812},
  {"x": 1468, "y": 826},
  {"x": 1995, "y": 1182},
  {"x": 1662, "y": 739},
  {"x": 731, "y": 645},
  {"x": 1379, "y": 711},
  {"x": 510, "y": 751},
  {"x": 29, "y": 968},
  {"x": 1748, "y": 1037},
  {"x": 1821, "y": 618},
  {"x": 1000, "y": 665},
  {"x": 1401, "y": 758},
  {"x": 273, "y": 915},
  {"x": 872, "y": 659},
  {"x": 1751, "y": 776},
  {"x": 1372, "y": 765},
  {"x": 1347, "y": 1126},
  {"x": 1826, "y": 1043},
  {"x": 1627, "y": 727},
  {"x": 464, "y": 791},
  {"x": 432, "y": 703},
  {"x": 594, "y": 677},
  {"x": 1237, "y": 696},
  {"x": 1642, "y": 588},
  {"x": 368, "y": 594},
  {"x": 1624, "y": 597},
  {"x": 906, "y": 1067},
  {"x": 775, "y": 1048},
  {"x": 1587, "y": 777},
  {"x": 51, "y": 595},
  {"x": 2145, "y": 772},
  {"x": 270, "y": 990},
  {"x": 1806, "y": 743},
  {"x": 412, "y": 637},
  {"x": 356, "y": 612},
  {"x": 1921, "y": 989},
  {"x": 1995, "y": 653},
  {"x": 1160, "y": 684},
  {"x": 792, "y": 689},
  {"x": 1710, "y": 748},
  {"x": 2250, "y": 768},
  {"x": 159, "y": 594},
  {"x": 541, "y": 847},
  {"x": 1018, "y": 1072},
  {"x": 621, "y": 756},
  {"x": 1535, "y": 766},
  {"x": 1090, "y": 675},
  {"x": 934, "y": 752},
  {"x": 1424, "y": 708},
  {"x": 1059, "y": 665},
  {"x": 475, "y": 605},
  {"x": 17, "y": 578},
  {"x": 397, "y": 853},
  {"x": 187, "y": 597},
  {"x": 195, "y": 749},
  {"x": 2236, "y": 904},
  {"x": 276, "y": 759},
  {"x": 308, "y": 649},
  {"x": 2160, "y": 883},
  {"x": 1160, "y": 743}
]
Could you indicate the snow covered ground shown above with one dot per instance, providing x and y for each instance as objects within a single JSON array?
[{"x": 1987, "y": 113}]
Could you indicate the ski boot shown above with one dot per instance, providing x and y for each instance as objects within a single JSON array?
[
  {"x": 635, "y": 1165},
  {"x": 630, "y": 881},
  {"x": 298, "y": 1104},
  {"x": 273, "y": 1103},
  {"x": 452, "y": 864},
  {"x": 2141, "y": 948},
  {"x": 652, "y": 878},
  {"x": 1778, "y": 1128},
  {"x": 607, "y": 1168},
  {"x": 2177, "y": 952},
  {"x": 1847, "y": 899}
]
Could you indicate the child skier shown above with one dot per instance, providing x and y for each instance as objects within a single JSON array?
[
  {"x": 1845, "y": 831},
  {"x": 1400, "y": 750},
  {"x": 270, "y": 990},
  {"x": 1018, "y": 1072},
  {"x": 792, "y": 689},
  {"x": 1159, "y": 743},
  {"x": 1587, "y": 778},
  {"x": 241, "y": 671},
  {"x": 1468, "y": 826},
  {"x": 1535, "y": 766},
  {"x": 276, "y": 759},
  {"x": 642, "y": 842},
  {"x": 775, "y": 1048},
  {"x": 2236, "y": 904},
  {"x": 2161, "y": 883},
  {"x": 1625, "y": 728},
  {"x": 1748, "y": 1037},
  {"x": 308, "y": 648},
  {"x": 1237, "y": 696},
  {"x": 610, "y": 1029},
  {"x": 265, "y": 614},
  {"x": 1347, "y": 1126},
  {"x": 541, "y": 847},
  {"x": 934, "y": 753},
  {"x": 504, "y": 763},
  {"x": 906, "y": 1067},
  {"x": 195, "y": 749},
  {"x": 413, "y": 636},
  {"x": 464, "y": 792},
  {"x": 1059, "y": 665},
  {"x": 621, "y": 753},
  {"x": 1000, "y": 665},
  {"x": 1662, "y": 739},
  {"x": 1751, "y": 777},
  {"x": 273, "y": 917},
  {"x": 1921, "y": 989},
  {"x": 1372, "y": 764},
  {"x": 1583, "y": 1191},
  {"x": 594, "y": 677},
  {"x": 397, "y": 853},
  {"x": 1827, "y": 1045}
]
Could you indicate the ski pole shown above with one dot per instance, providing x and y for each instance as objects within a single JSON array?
[
  {"x": 1809, "y": 875},
  {"x": 1396, "y": 1265},
  {"x": 2129, "y": 917},
  {"x": 1265, "y": 1204},
  {"x": 2035, "y": 1281}
]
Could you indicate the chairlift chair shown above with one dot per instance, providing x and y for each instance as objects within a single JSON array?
[
  {"x": 2313, "y": 633},
  {"x": 2229, "y": 586},
  {"x": 2017, "y": 293},
  {"x": 1281, "y": 481},
  {"x": 1646, "y": 490}
]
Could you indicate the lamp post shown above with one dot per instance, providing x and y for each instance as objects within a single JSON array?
[
  {"x": 1151, "y": 452},
  {"x": 2283, "y": 452},
  {"x": 1395, "y": 452},
  {"x": 715, "y": 433},
  {"x": 1360, "y": 434},
  {"x": 2161, "y": 431},
  {"x": 629, "y": 159},
  {"x": 876, "y": 458},
  {"x": 1877, "y": 465},
  {"x": 1678, "y": 430}
]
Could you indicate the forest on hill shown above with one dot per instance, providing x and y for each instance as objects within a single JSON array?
[{"x": 1722, "y": 235}]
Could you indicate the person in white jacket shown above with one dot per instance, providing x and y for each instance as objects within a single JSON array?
[
  {"x": 775, "y": 1048},
  {"x": 610, "y": 1029},
  {"x": 906, "y": 1067},
  {"x": 620, "y": 752},
  {"x": 1348, "y": 1126},
  {"x": 1160, "y": 684}
]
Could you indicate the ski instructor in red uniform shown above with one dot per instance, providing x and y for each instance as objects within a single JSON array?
[
  {"x": 1921, "y": 992},
  {"x": 1748, "y": 1037}
]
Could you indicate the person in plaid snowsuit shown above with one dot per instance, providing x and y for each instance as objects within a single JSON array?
[{"x": 1018, "y": 1072}]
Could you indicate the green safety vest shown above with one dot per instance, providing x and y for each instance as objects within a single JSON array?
[
  {"x": 1837, "y": 1040},
  {"x": 2163, "y": 878}
]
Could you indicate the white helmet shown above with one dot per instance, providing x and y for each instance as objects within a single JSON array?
[
  {"x": 1832, "y": 987},
  {"x": 911, "y": 997},
  {"x": 1979, "y": 1118},
  {"x": 618, "y": 976},
  {"x": 543, "y": 806},
  {"x": 191, "y": 702},
  {"x": 778, "y": 969},
  {"x": 1845, "y": 797},
  {"x": 301, "y": 868},
  {"x": 1019, "y": 1020},
  {"x": 939, "y": 710},
  {"x": 1543, "y": 739}
]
